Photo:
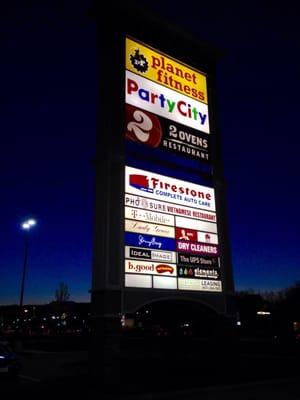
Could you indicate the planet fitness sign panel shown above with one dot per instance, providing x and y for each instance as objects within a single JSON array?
[{"x": 164, "y": 70}]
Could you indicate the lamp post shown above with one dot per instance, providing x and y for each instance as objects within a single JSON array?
[{"x": 26, "y": 226}]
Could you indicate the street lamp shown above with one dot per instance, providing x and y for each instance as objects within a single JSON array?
[{"x": 26, "y": 226}]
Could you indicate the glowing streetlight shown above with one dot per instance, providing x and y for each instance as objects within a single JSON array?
[{"x": 26, "y": 225}]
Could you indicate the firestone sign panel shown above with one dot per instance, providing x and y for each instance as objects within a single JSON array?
[
  {"x": 171, "y": 237},
  {"x": 164, "y": 188}
]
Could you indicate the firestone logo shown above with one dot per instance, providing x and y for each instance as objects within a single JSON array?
[{"x": 140, "y": 182}]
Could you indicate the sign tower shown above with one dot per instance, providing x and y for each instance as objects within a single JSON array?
[{"x": 160, "y": 213}]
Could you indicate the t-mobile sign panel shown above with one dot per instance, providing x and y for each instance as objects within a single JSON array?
[{"x": 171, "y": 238}]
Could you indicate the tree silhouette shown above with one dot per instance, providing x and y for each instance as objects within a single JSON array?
[{"x": 62, "y": 293}]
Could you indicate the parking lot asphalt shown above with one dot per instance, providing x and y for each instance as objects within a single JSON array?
[{"x": 253, "y": 372}]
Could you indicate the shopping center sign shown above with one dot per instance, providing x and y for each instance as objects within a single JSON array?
[{"x": 171, "y": 237}]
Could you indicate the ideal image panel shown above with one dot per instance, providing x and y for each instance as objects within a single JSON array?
[{"x": 146, "y": 254}]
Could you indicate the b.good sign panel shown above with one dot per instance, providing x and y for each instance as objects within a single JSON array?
[{"x": 150, "y": 268}]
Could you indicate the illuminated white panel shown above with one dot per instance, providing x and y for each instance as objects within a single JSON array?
[
  {"x": 150, "y": 268},
  {"x": 163, "y": 256},
  {"x": 149, "y": 229},
  {"x": 199, "y": 285},
  {"x": 206, "y": 237},
  {"x": 168, "y": 208},
  {"x": 149, "y": 216},
  {"x": 150, "y": 96},
  {"x": 153, "y": 255},
  {"x": 205, "y": 226},
  {"x": 163, "y": 282},
  {"x": 163, "y": 188},
  {"x": 138, "y": 281}
]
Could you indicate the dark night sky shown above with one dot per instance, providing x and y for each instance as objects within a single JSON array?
[{"x": 48, "y": 132}]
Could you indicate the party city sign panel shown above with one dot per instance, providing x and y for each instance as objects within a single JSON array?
[
  {"x": 150, "y": 96},
  {"x": 160, "y": 187},
  {"x": 165, "y": 71}
]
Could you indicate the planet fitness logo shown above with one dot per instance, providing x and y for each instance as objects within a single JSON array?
[{"x": 138, "y": 61}]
